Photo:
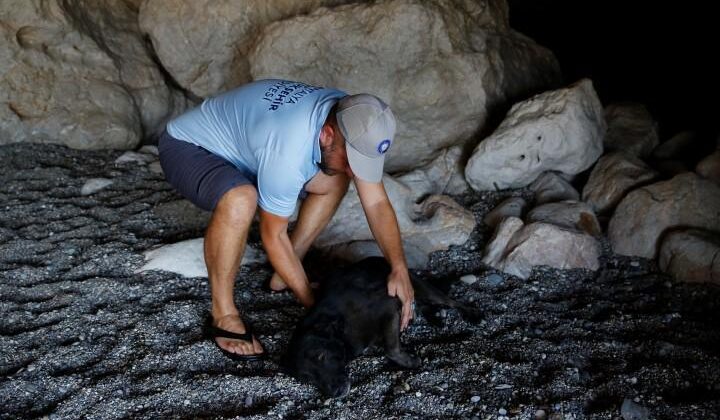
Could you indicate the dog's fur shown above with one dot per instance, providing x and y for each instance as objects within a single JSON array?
[{"x": 353, "y": 312}]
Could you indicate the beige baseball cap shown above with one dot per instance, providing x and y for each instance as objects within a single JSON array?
[{"x": 368, "y": 125}]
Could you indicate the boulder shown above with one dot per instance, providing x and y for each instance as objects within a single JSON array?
[
  {"x": 495, "y": 250},
  {"x": 614, "y": 175},
  {"x": 709, "y": 167},
  {"x": 539, "y": 244},
  {"x": 630, "y": 129},
  {"x": 568, "y": 214},
  {"x": 550, "y": 187},
  {"x": 431, "y": 225},
  {"x": 203, "y": 44},
  {"x": 559, "y": 130},
  {"x": 441, "y": 65},
  {"x": 78, "y": 73},
  {"x": 443, "y": 175},
  {"x": 691, "y": 255},
  {"x": 645, "y": 214},
  {"x": 510, "y": 207}
]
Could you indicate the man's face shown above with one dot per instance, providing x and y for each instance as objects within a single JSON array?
[{"x": 334, "y": 157}]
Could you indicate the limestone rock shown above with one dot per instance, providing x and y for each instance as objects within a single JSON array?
[
  {"x": 510, "y": 207},
  {"x": 187, "y": 258},
  {"x": 77, "y": 72},
  {"x": 691, "y": 255},
  {"x": 550, "y": 187},
  {"x": 94, "y": 185},
  {"x": 613, "y": 176},
  {"x": 434, "y": 224},
  {"x": 558, "y": 130},
  {"x": 203, "y": 44},
  {"x": 545, "y": 244},
  {"x": 495, "y": 249},
  {"x": 645, "y": 214},
  {"x": 675, "y": 146},
  {"x": 441, "y": 176},
  {"x": 709, "y": 167},
  {"x": 568, "y": 214},
  {"x": 630, "y": 129},
  {"x": 440, "y": 64}
]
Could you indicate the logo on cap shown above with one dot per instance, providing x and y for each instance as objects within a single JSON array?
[{"x": 383, "y": 146}]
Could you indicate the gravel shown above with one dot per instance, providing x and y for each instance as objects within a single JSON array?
[{"x": 83, "y": 336}]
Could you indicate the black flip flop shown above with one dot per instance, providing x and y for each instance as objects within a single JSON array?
[{"x": 210, "y": 331}]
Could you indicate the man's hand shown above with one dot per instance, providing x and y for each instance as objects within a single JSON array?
[{"x": 399, "y": 285}]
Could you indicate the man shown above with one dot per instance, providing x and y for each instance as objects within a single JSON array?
[{"x": 264, "y": 145}]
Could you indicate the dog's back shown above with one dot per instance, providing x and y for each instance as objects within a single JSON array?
[{"x": 353, "y": 311}]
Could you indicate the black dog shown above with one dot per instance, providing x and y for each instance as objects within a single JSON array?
[{"x": 353, "y": 312}]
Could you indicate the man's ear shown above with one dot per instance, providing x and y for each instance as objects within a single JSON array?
[{"x": 327, "y": 135}]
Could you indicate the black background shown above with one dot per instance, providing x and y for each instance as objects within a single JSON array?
[{"x": 662, "y": 55}]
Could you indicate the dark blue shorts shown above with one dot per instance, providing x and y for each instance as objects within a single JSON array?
[{"x": 197, "y": 174}]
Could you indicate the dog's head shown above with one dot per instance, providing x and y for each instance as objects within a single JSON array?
[{"x": 321, "y": 359}]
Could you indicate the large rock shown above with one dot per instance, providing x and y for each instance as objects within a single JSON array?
[
  {"x": 613, "y": 176},
  {"x": 440, "y": 64},
  {"x": 203, "y": 44},
  {"x": 558, "y": 130},
  {"x": 78, "y": 73},
  {"x": 569, "y": 214},
  {"x": 187, "y": 258},
  {"x": 631, "y": 129},
  {"x": 510, "y": 207},
  {"x": 691, "y": 255},
  {"x": 434, "y": 224},
  {"x": 495, "y": 250},
  {"x": 709, "y": 167},
  {"x": 645, "y": 214},
  {"x": 545, "y": 244},
  {"x": 443, "y": 175},
  {"x": 550, "y": 187}
]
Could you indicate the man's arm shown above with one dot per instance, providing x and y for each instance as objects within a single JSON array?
[
  {"x": 273, "y": 231},
  {"x": 384, "y": 227}
]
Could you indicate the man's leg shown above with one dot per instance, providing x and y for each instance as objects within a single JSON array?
[
  {"x": 315, "y": 213},
  {"x": 225, "y": 241}
]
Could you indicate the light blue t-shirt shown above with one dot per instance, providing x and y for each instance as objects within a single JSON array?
[{"x": 268, "y": 129}]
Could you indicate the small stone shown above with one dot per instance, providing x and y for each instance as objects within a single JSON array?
[
  {"x": 469, "y": 279},
  {"x": 418, "y": 394},
  {"x": 502, "y": 411},
  {"x": 475, "y": 398},
  {"x": 494, "y": 279},
  {"x": 540, "y": 415}
]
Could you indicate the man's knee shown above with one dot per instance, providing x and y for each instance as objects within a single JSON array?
[{"x": 238, "y": 204}]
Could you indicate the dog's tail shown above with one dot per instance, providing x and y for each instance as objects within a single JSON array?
[{"x": 427, "y": 294}]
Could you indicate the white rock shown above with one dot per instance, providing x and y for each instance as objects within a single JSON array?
[
  {"x": 645, "y": 214},
  {"x": 493, "y": 253},
  {"x": 443, "y": 175},
  {"x": 612, "y": 178},
  {"x": 691, "y": 256},
  {"x": 568, "y": 214},
  {"x": 510, "y": 207},
  {"x": 550, "y": 186},
  {"x": 539, "y": 244},
  {"x": 469, "y": 279},
  {"x": 79, "y": 75},
  {"x": 559, "y": 130},
  {"x": 440, "y": 65},
  {"x": 204, "y": 44},
  {"x": 709, "y": 167},
  {"x": 630, "y": 129},
  {"x": 434, "y": 224},
  {"x": 140, "y": 158},
  {"x": 94, "y": 185},
  {"x": 187, "y": 258}
]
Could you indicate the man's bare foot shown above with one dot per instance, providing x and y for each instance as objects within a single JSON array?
[{"x": 233, "y": 323}]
